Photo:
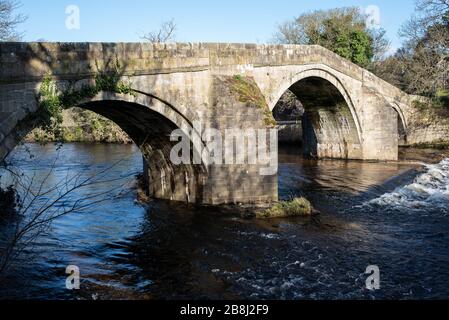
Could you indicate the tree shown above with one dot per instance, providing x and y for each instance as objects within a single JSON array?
[
  {"x": 165, "y": 33},
  {"x": 433, "y": 10},
  {"x": 425, "y": 55},
  {"x": 343, "y": 31},
  {"x": 421, "y": 66},
  {"x": 392, "y": 69},
  {"x": 30, "y": 205},
  {"x": 9, "y": 20}
]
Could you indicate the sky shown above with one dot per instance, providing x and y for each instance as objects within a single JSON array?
[{"x": 249, "y": 21}]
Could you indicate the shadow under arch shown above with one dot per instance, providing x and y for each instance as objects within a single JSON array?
[
  {"x": 402, "y": 125},
  {"x": 149, "y": 122},
  {"x": 330, "y": 126},
  {"x": 321, "y": 71}
]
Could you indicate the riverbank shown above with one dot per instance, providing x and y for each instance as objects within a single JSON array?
[
  {"x": 424, "y": 153},
  {"x": 82, "y": 126}
]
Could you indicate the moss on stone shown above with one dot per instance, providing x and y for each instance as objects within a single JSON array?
[
  {"x": 249, "y": 93},
  {"x": 298, "y": 207}
]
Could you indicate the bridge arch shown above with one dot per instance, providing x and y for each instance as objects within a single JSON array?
[
  {"x": 149, "y": 122},
  {"x": 323, "y": 73},
  {"x": 402, "y": 124},
  {"x": 331, "y": 127},
  {"x": 149, "y": 101}
]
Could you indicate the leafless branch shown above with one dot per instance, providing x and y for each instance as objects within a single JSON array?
[
  {"x": 41, "y": 204},
  {"x": 165, "y": 33},
  {"x": 10, "y": 20}
]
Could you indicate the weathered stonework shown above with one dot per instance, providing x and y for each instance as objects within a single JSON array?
[
  {"x": 431, "y": 134},
  {"x": 176, "y": 85}
]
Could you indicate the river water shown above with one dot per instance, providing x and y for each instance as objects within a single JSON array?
[{"x": 393, "y": 215}]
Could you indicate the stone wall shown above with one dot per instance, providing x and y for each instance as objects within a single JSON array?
[
  {"x": 176, "y": 85},
  {"x": 431, "y": 134}
]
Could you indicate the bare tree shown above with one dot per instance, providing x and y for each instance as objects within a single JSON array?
[
  {"x": 425, "y": 56},
  {"x": 165, "y": 33},
  {"x": 37, "y": 205},
  {"x": 9, "y": 20},
  {"x": 428, "y": 13},
  {"x": 433, "y": 10}
]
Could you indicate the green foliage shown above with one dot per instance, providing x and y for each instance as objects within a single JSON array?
[
  {"x": 432, "y": 110},
  {"x": 443, "y": 98},
  {"x": 50, "y": 107},
  {"x": 298, "y": 207},
  {"x": 353, "y": 43},
  {"x": 80, "y": 125},
  {"x": 53, "y": 101},
  {"x": 440, "y": 101},
  {"x": 420, "y": 105},
  {"x": 249, "y": 93},
  {"x": 421, "y": 65},
  {"x": 343, "y": 31}
]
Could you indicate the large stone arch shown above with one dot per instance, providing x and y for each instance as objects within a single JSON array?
[
  {"x": 149, "y": 122},
  {"x": 340, "y": 115},
  {"x": 153, "y": 103}
]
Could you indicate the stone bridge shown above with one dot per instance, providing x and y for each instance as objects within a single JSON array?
[{"x": 350, "y": 113}]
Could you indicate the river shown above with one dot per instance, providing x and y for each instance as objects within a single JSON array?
[{"x": 393, "y": 215}]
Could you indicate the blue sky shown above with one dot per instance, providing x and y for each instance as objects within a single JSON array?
[{"x": 197, "y": 20}]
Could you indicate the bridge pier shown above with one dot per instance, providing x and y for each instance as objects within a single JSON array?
[
  {"x": 180, "y": 184},
  {"x": 239, "y": 152},
  {"x": 236, "y": 114},
  {"x": 380, "y": 128}
]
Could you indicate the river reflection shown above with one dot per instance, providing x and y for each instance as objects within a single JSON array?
[{"x": 126, "y": 250}]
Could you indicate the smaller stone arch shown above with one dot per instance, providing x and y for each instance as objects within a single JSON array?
[
  {"x": 323, "y": 72},
  {"x": 330, "y": 125},
  {"x": 401, "y": 114},
  {"x": 402, "y": 124}
]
